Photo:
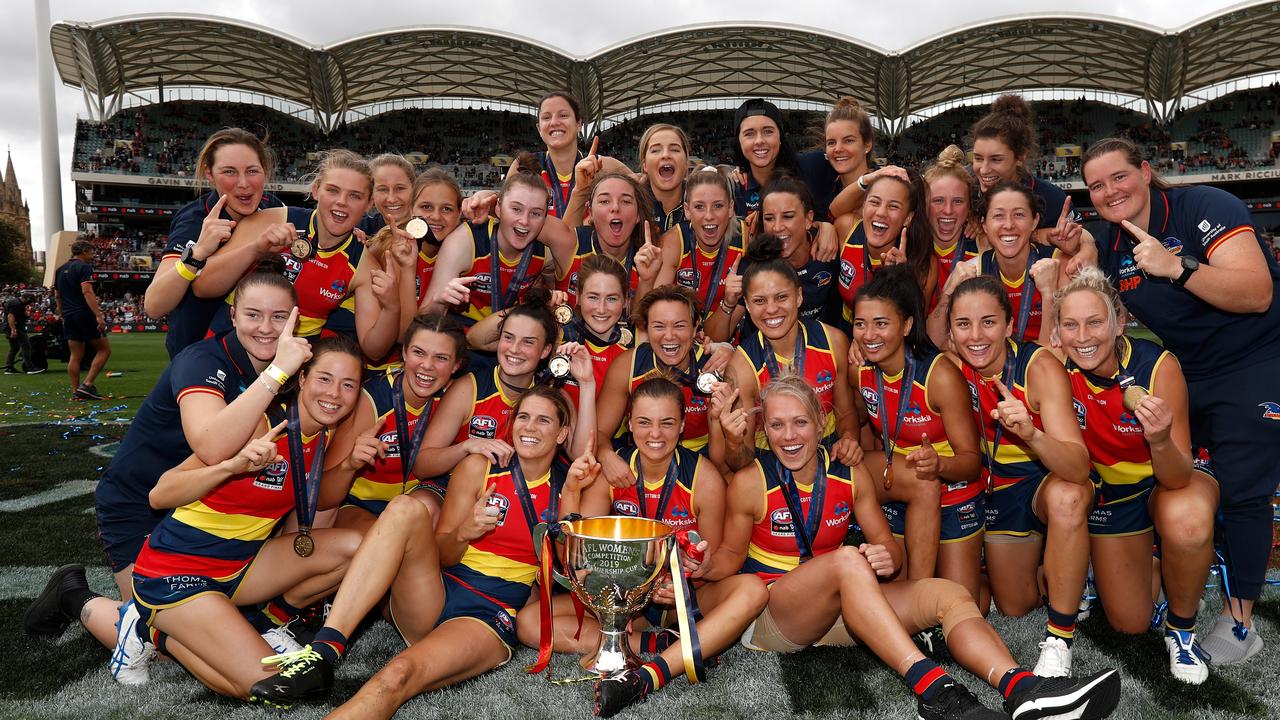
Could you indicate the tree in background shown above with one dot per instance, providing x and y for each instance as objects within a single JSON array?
[{"x": 15, "y": 266}]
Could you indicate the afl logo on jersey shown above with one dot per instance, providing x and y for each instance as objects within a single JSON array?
[
  {"x": 482, "y": 282},
  {"x": 821, "y": 278},
  {"x": 1080, "y": 412},
  {"x": 685, "y": 277},
  {"x": 847, "y": 273},
  {"x": 873, "y": 403},
  {"x": 626, "y": 507},
  {"x": 272, "y": 476},
  {"x": 780, "y": 523},
  {"x": 499, "y": 501},
  {"x": 391, "y": 440},
  {"x": 483, "y": 426},
  {"x": 573, "y": 279}
]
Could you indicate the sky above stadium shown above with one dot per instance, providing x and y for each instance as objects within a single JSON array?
[{"x": 577, "y": 28}]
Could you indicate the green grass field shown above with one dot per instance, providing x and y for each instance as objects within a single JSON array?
[{"x": 46, "y": 516}]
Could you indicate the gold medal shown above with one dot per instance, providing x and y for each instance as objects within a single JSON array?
[
  {"x": 303, "y": 545},
  {"x": 624, "y": 336},
  {"x": 564, "y": 314},
  {"x": 301, "y": 247},
  {"x": 559, "y": 367},
  {"x": 417, "y": 228},
  {"x": 1133, "y": 395}
]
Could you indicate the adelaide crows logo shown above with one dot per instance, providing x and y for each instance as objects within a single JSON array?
[{"x": 1270, "y": 410}]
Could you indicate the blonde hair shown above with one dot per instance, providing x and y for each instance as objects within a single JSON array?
[
  {"x": 950, "y": 163},
  {"x": 792, "y": 385},
  {"x": 1089, "y": 279},
  {"x": 657, "y": 128},
  {"x": 340, "y": 159}
]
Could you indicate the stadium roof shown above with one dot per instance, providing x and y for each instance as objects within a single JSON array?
[{"x": 115, "y": 57}]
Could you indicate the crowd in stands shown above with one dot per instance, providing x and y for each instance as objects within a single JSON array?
[
  {"x": 116, "y": 251},
  {"x": 120, "y": 308}
]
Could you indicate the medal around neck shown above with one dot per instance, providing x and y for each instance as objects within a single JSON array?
[
  {"x": 303, "y": 545},
  {"x": 417, "y": 228},
  {"x": 1133, "y": 395},
  {"x": 706, "y": 382},
  {"x": 564, "y": 314},
  {"x": 301, "y": 247},
  {"x": 558, "y": 365},
  {"x": 625, "y": 335}
]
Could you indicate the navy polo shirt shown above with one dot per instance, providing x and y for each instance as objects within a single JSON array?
[
  {"x": 814, "y": 170},
  {"x": 1193, "y": 221},
  {"x": 67, "y": 282}
]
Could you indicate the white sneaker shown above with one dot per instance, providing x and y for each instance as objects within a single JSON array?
[
  {"x": 281, "y": 640},
  {"x": 1055, "y": 658},
  {"x": 1186, "y": 660},
  {"x": 132, "y": 655}
]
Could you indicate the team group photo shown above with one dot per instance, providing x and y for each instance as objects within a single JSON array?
[{"x": 718, "y": 366}]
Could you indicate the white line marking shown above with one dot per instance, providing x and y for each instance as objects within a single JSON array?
[{"x": 52, "y": 495}]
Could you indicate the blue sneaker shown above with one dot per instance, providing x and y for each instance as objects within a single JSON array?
[
  {"x": 1187, "y": 662},
  {"x": 132, "y": 656}
]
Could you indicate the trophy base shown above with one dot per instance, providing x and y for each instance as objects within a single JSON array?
[{"x": 612, "y": 656}]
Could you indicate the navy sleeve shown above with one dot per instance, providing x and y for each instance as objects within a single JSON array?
[
  {"x": 185, "y": 228},
  {"x": 83, "y": 273},
  {"x": 1210, "y": 217},
  {"x": 198, "y": 371}
]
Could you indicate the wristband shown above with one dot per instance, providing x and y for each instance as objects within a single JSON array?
[
  {"x": 862, "y": 185},
  {"x": 275, "y": 373},
  {"x": 187, "y": 273},
  {"x": 271, "y": 387},
  {"x": 726, "y": 308}
]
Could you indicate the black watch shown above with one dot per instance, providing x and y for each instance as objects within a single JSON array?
[
  {"x": 1189, "y": 265},
  {"x": 189, "y": 261}
]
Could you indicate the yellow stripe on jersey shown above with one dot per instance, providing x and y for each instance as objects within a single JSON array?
[
  {"x": 224, "y": 525},
  {"x": 783, "y": 563},
  {"x": 942, "y": 447},
  {"x": 1123, "y": 473},
  {"x": 498, "y": 566}
]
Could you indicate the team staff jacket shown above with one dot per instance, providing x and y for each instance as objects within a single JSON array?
[
  {"x": 1118, "y": 449},
  {"x": 773, "y": 551},
  {"x": 1194, "y": 222},
  {"x": 920, "y": 419},
  {"x": 189, "y": 321},
  {"x": 155, "y": 441}
]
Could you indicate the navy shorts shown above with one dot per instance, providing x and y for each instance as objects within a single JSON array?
[
  {"x": 467, "y": 595},
  {"x": 1009, "y": 510},
  {"x": 373, "y": 507},
  {"x": 1127, "y": 516},
  {"x": 959, "y": 522},
  {"x": 81, "y": 327},
  {"x": 168, "y": 591},
  {"x": 122, "y": 530}
]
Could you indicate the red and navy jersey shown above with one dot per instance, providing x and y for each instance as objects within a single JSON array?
[
  {"x": 218, "y": 535},
  {"x": 856, "y": 267},
  {"x": 559, "y": 187},
  {"x": 644, "y": 365},
  {"x": 588, "y": 245},
  {"x": 155, "y": 442},
  {"x": 323, "y": 282},
  {"x": 1118, "y": 449},
  {"x": 505, "y": 554},
  {"x": 1013, "y": 459},
  {"x": 189, "y": 321},
  {"x": 820, "y": 365},
  {"x": 772, "y": 551},
  {"x": 491, "y": 408},
  {"x": 965, "y": 248},
  {"x": 1193, "y": 222},
  {"x": 383, "y": 479},
  {"x": 666, "y": 219},
  {"x": 603, "y": 352},
  {"x": 921, "y": 418},
  {"x": 484, "y": 238},
  {"x": 1013, "y": 287},
  {"x": 679, "y": 510},
  {"x": 697, "y": 269}
]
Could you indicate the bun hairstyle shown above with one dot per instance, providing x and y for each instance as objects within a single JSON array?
[
  {"x": 764, "y": 254},
  {"x": 1034, "y": 201},
  {"x": 440, "y": 322},
  {"x": 1090, "y": 279},
  {"x": 759, "y": 106},
  {"x": 1012, "y": 122},
  {"x": 896, "y": 285},
  {"x": 982, "y": 284},
  {"x": 1131, "y": 153},
  {"x": 534, "y": 305},
  {"x": 950, "y": 163},
  {"x": 528, "y": 174},
  {"x": 848, "y": 109}
]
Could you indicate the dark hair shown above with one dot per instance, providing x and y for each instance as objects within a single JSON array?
[
  {"x": 270, "y": 276},
  {"x": 848, "y": 109},
  {"x": 574, "y": 105},
  {"x": 436, "y": 176},
  {"x": 547, "y": 392},
  {"x": 764, "y": 254},
  {"x": 600, "y": 263},
  {"x": 81, "y": 247},
  {"x": 1012, "y": 122},
  {"x": 895, "y": 284},
  {"x": 660, "y": 388},
  {"x": 323, "y": 346},
  {"x": 528, "y": 174},
  {"x": 1034, "y": 201},
  {"x": 982, "y": 284},
  {"x": 644, "y": 205},
  {"x": 1132, "y": 155},
  {"x": 790, "y": 184},
  {"x": 669, "y": 293},
  {"x": 440, "y": 322},
  {"x": 534, "y": 305},
  {"x": 232, "y": 136},
  {"x": 759, "y": 106},
  {"x": 919, "y": 234}
]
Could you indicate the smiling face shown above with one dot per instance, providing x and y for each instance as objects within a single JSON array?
[
  {"x": 1118, "y": 189},
  {"x": 1088, "y": 330},
  {"x": 342, "y": 199},
  {"x": 846, "y": 147},
  {"x": 760, "y": 140},
  {"x": 557, "y": 125},
  {"x": 783, "y": 214},
  {"x": 979, "y": 326},
  {"x": 791, "y": 430},
  {"x": 671, "y": 329},
  {"x": 522, "y": 344},
  {"x": 429, "y": 362},
  {"x": 1009, "y": 223},
  {"x": 391, "y": 189},
  {"x": 774, "y": 303},
  {"x": 614, "y": 213},
  {"x": 438, "y": 205},
  {"x": 710, "y": 213},
  {"x": 521, "y": 213},
  {"x": 601, "y": 303},
  {"x": 655, "y": 425},
  {"x": 879, "y": 329},
  {"x": 665, "y": 160},
  {"x": 948, "y": 208},
  {"x": 885, "y": 212},
  {"x": 993, "y": 161},
  {"x": 259, "y": 315},
  {"x": 329, "y": 388},
  {"x": 536, "y": 428},
  {"x": 238, "y": 173}
]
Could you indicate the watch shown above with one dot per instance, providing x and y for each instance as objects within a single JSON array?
[
  {"x": 1189, "y": 265},
  {"x": 189, "y": 261}
]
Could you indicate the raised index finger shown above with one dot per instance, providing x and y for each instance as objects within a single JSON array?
[
  {"x": 1066, "y": 210},
  {"x": 291, "y": 323},
  {"x": 902, "y": 244},
  {"x": 216, "y": 210},
  {"x": 648, "y": 235},
  {"x": 1134, "y": 230},
  {"x": 595, "y": 145},
  {"x": 272, "y": 433},
  {"x": 1004, "y": 391}
]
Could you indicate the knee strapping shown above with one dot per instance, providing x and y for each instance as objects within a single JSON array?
[{"x": 942, "y": 602}]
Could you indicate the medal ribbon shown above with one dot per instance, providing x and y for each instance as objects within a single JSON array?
[
  {"x": 1028, "y": 292},
  {"x": 583, "y": 332},
  {"x": 559, "y": 195},
  {"x": 306, "y": 485},
  {"x": 686, "y": 613},
  {"x": 409, "y": 445},
  {"x": 905, "y": 387},
  {"x": 990, "y": 449},
  {"x": 717, "y": 269},
  {"x": 689, "y": 378},
  {"x": 668, "y": 486},
  {"x": 797, "y": 359},
  {"x": 804, "y": 527},
  {"x": 498, "y": 297}
]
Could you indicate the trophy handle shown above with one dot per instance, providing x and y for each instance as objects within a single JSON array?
[{"x": 539, "y": 532}]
